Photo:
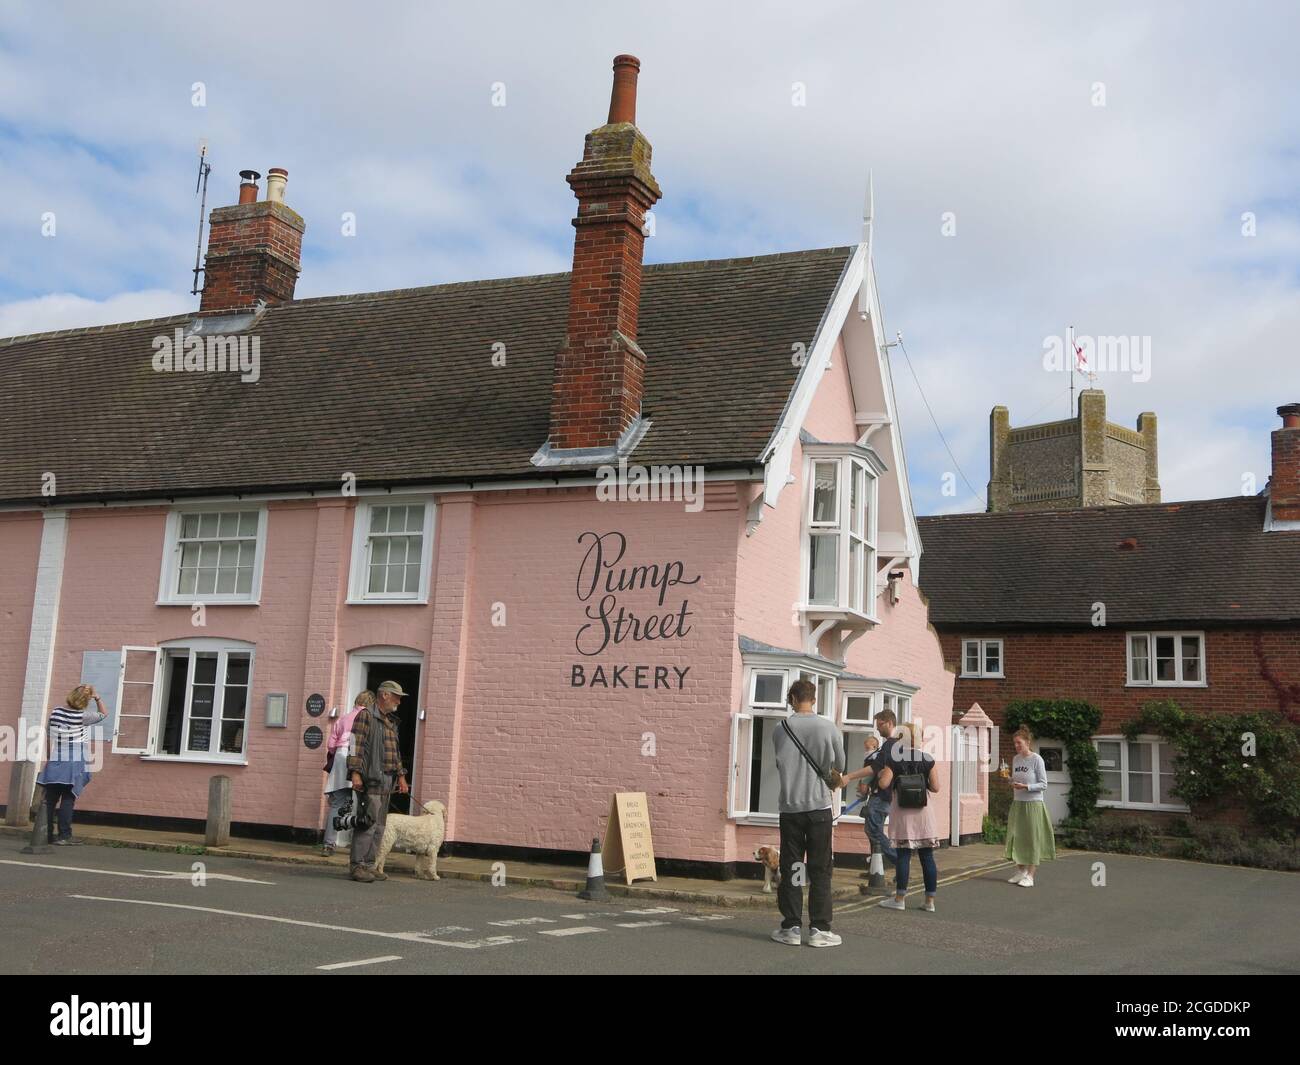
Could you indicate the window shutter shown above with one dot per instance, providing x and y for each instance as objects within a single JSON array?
[{"x": 137, "y": 690}]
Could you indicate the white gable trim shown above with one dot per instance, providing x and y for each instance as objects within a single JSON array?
[{"x": 778, "y": 454}]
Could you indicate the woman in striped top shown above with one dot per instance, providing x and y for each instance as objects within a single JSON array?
[{"x": 65, "y": 773}]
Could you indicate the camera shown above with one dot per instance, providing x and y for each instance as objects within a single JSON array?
[{"x": 353, "y": 818}]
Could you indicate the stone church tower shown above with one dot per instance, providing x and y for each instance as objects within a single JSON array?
[{"x": 1083, "y": 461}]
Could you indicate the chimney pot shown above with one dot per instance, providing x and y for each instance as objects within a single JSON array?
[
  {"x": 276, "y": 178},
  {"x": 248, "y": 186},
  {"x": 1290, "y": 415},
  {"x": 622, "y": 99}
]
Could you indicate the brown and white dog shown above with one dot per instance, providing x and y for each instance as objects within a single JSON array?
[{"x": 770, "y": 859}]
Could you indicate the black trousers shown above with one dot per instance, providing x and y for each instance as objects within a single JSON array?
[
  {"x": 59, "y": 795},
  {"x": 806, "y": 839}
]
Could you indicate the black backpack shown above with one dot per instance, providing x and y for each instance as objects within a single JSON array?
[{"x": 911, "y": 787}]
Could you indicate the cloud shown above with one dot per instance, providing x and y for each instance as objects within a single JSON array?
[{"x": 1122, "y": 219}]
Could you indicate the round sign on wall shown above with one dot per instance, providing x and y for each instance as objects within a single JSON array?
[
  {"x": 312, "y": 737},
  {"x": 316, "y": 705}
]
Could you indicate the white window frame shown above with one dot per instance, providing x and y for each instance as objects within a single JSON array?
[
  {"x": 1151, "y": 681},
  {"x": 1124, "y": 803},
  {"x": 172, "y": 649},
  {"x": 742, "y": 728},
  {"x": 169, "y": 577},
  {"x": 122, "y": 748},
  {"x": 359, "y": 570},
  {"x": 847, "y": 460},
  {"x": 982, "y": 647}
]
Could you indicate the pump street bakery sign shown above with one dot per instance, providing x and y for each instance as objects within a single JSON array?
[{"x": 628, "y": 604}]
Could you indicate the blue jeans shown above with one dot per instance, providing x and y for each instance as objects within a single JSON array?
[
  {"x": 929, "y": 871},
  {"x": 877, "y": 811}
]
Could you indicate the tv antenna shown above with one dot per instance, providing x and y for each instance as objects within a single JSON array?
[{"x": 205, "y": 168}]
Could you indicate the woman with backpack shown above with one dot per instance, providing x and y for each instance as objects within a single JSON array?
[{"x": 913, "y": 775}]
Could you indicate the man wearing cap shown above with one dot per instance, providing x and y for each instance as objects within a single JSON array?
[{"x": 375, "y": 763}]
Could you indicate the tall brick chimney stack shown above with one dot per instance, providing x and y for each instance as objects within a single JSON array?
[
  {"x": 600, "y": 370},
  {"x": 1284, "y": 484},
  {"x": 254, "y": 248}
]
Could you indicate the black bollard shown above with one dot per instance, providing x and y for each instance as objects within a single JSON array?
[{"x": 40, "y": 843}]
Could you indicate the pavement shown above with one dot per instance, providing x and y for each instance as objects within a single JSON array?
[
  {"x": 951, "y": 861},
  {"x": 127, "y": 910}
]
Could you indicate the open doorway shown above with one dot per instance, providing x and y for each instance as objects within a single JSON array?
[{"x": 370, "y": 669}]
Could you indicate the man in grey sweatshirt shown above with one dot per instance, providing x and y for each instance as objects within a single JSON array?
[{"x": 806, "y": 825}]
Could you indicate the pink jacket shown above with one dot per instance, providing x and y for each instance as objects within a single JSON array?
[{"x": 341, "y": 733}]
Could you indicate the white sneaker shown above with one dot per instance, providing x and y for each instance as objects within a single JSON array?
[
  {"x": 1019, "y": 876},
  {"x": 791, "y": 937},
  {"x": 893, "y": 904},
  {"x": 818, "y": 938},
  {"x": 1026, "y": 881},
  {"x": 929, "y": 906}
]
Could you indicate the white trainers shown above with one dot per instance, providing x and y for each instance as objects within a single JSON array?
[
  {"x": 1026, "y": 881},
  {"x": 818, "y": 938},
  {"x": 1020, "y": 875},
  {"x": 791, "y": 937},
  {"x": 929, "y": 906},
  {"x": 893, "y": 904}
]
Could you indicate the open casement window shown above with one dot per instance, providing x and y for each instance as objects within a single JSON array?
[
  {"x": 1166, "y": 659},
  {"x": 841, "y": 535},
  {"x": 137, "y": 686},
  {"x": 205, "y": 702},
  {"x": 742, "y": 726},
  {"x": 1137, "y": 774}
]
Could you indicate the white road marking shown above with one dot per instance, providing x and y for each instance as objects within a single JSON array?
[
  {"x": 521, "y": 920},
  {"x": 363, "y": 961},
  {"x": 709, "y": 917},
  {"x": 640, "y": 924},
  {"x": 409, "y": 937},
  {"x": 148, "y": 874},
  {"x": 186, "y": 875},
  {"x": 588, "y": 916},
  {"x": 576, "y": 930},
  {"x": 654, "y": 909}
]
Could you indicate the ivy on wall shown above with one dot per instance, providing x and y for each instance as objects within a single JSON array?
[
  {"x": 1254, "y": 757},
  {"x": 1073, "y": 722}
]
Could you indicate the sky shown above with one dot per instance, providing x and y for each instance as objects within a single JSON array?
[{"x": 1127, "y": 169}]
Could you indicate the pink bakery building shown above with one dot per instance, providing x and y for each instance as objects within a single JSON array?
[{"x": 596, "y": 522}]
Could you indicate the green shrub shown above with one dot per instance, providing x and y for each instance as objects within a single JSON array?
[
  {"x": 1119, "y": 835},
  {"x": 994, "y": 831},
  {"x": 1254, "y": 757}
]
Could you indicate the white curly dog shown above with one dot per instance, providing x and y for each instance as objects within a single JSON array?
[{"x": 421, "y": 836}]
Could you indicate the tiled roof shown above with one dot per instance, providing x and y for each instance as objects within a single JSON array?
[
  {"x": 400, "y": 387},
  {"x": 1157, "y": 563}
]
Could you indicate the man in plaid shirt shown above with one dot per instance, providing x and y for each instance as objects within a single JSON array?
[{"x": 374, "y": 770}]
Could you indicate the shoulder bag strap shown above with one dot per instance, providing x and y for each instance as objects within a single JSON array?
[{"x": 785, "y": 724}]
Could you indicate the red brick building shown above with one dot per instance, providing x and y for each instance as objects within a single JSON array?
[{"x": 1198, "y": 602}]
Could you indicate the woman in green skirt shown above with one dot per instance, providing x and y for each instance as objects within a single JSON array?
[{"x": 1030, "y": 841}]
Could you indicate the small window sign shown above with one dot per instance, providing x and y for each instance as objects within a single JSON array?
[{"x": 277, "y": 710}]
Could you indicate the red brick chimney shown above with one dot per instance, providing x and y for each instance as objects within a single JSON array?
[
  {"x": 254, "y": 248},
  {"x": 600, "y": 371},
  {"x": 1284, "y": 485}
]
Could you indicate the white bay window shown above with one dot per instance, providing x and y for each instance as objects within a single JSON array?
[{"x": 840, "y": 530}]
